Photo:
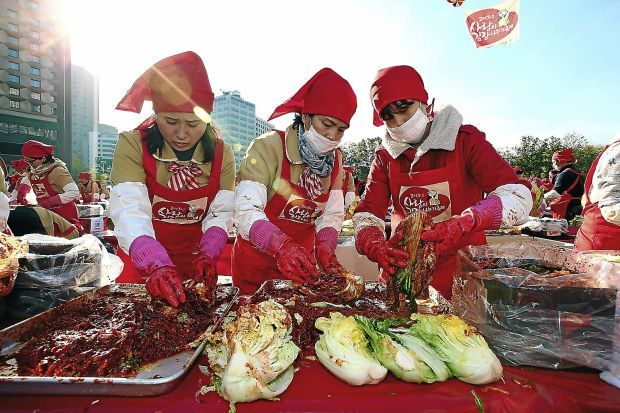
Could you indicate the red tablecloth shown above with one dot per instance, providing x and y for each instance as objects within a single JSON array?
[{"x": 315, "y": 389}]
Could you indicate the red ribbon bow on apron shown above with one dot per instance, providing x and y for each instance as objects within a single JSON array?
[
  {"x": 311, "y": 182},
  {"x": 183, "y": 177}
]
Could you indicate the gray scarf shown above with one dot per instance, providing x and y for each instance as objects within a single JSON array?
[{"x": 320, "y": 164}]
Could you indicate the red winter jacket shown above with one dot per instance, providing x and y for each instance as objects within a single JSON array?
[{"x": 487, "y": 168}]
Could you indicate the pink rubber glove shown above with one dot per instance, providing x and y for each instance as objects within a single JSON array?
[
  {"x": 209, "y": 250},
  {"x": 165, "y": 282},
  {"x": 371, "y": 242},
  {"x": 325, "y": 248},
  {"x": 154, "y": 264},
  {"x": 49, "y": 202},
  {"x": 486, "y": 214},
  {"x": 22, "y": 191},
  {"x": 294, "y": 261}
]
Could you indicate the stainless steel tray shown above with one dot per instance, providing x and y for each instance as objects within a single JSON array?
[{"x": 155, "y": 379}]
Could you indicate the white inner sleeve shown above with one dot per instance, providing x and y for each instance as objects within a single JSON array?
[
  {"x": 71, "y": 193},
  {"x": 31, "y": 198},
  {"x": 516, "y": 203},
  {"x": 333, "y": 215},
  {"x": 221, "y": 211},
  {"x": 366, "y": 219},
  {"x": 551, "y": 195},
  {"x": 250, "y": 202},
  {"x": 348, "y": 199},
  {"x": 96, "y": 197},
  {"x": 130, "y": 210},
  {"x": 4, "y": 211}
]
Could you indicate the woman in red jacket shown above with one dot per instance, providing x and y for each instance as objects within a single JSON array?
[{"x": 432, "y": 162}]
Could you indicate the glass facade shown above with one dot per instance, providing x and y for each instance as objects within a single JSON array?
[{"x": 235, "y": 118}]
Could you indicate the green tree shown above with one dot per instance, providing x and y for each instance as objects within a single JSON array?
[
  {"x": 360, "y": 155},
  {"x": 77, "y": 166},
  {"x": 534, "y": 154}
]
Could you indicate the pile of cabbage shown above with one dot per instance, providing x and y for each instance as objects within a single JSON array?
[
  {"x": 252, "y": 356},
  {"x": 360, "y": 350}
]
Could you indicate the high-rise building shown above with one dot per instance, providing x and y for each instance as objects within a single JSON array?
[
  {"x": 84, "y": 112},
  {"x": 236, "y": 119},
  {"x": 262, "y": 126},
  {"x": 102, "y": 143},
  {"x": 35, "y": 77}
]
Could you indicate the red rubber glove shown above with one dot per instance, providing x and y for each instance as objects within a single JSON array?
[
  {"x": 165, "y": 282},
  {"x": 487, "y": 214},
  {"x": 371, "y": 242},
  {"x": 325, "y": 248},
  {"x": 205, "y": 269},
  {"x": 22, "y": 191},
  {"x": 296, "y": 263},
  {"x": 49, "y": 202}
]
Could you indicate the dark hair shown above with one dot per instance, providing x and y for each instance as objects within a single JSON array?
[
  {"x": 298, "y": 121},
  {"x": 48, "y": 159},
  {"x": 25, "y": 220},
  {"x": 155, "y": 141},
  {"x": 388, "y": 111}
]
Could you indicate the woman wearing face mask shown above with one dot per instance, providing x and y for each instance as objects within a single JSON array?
[
  {"x": 289, "y": 204},
  {"x": 433, "y": 163},
  {"x": 50, "y": 181},
  {"x": 173, "y": 180}
]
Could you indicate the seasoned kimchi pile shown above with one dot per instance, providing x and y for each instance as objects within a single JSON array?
[{"x": 113, "y": 336}]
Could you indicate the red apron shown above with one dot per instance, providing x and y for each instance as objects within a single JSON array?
[
  {"x": 43, "y": 189},
  {"x": 560, "y": 205},
  {"x": 442, "y": 192},
  {"x": 345, "y": 184},
  {"x": 295, "y": 216},
  {"x": 596, "y": 233},
  {"x": 177, "y": 216}
]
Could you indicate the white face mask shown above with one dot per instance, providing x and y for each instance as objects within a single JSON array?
[
  {"x": 411, "y": 131},
  {"x": 320, "y": 142}
]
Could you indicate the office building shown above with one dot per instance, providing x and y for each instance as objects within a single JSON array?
[
  {"x": 35, "y": 78},
  {"x": 84, "y": 112},
  {"x": 236, "y": 119},
  {"x": 102, "y": 143}
]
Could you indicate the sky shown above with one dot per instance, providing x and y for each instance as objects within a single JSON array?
[{"x": 560, "y": 77}]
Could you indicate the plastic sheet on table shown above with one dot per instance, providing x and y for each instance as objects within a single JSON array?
[
  {"x": 540, "y": 306},
  {"x": 56, "y": 270}
]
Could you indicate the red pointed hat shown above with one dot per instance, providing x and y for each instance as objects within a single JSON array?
[
  {"x": 177, "y": 83},
  {"x": 395, "y": 83},
  {"x": 20, "y": 165},
  {"x": 564, "y": 155},
  {"x": 326, "y": 93},
  {"x": 349, "y": 168},
  {"x": 36, "y": 149}
]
